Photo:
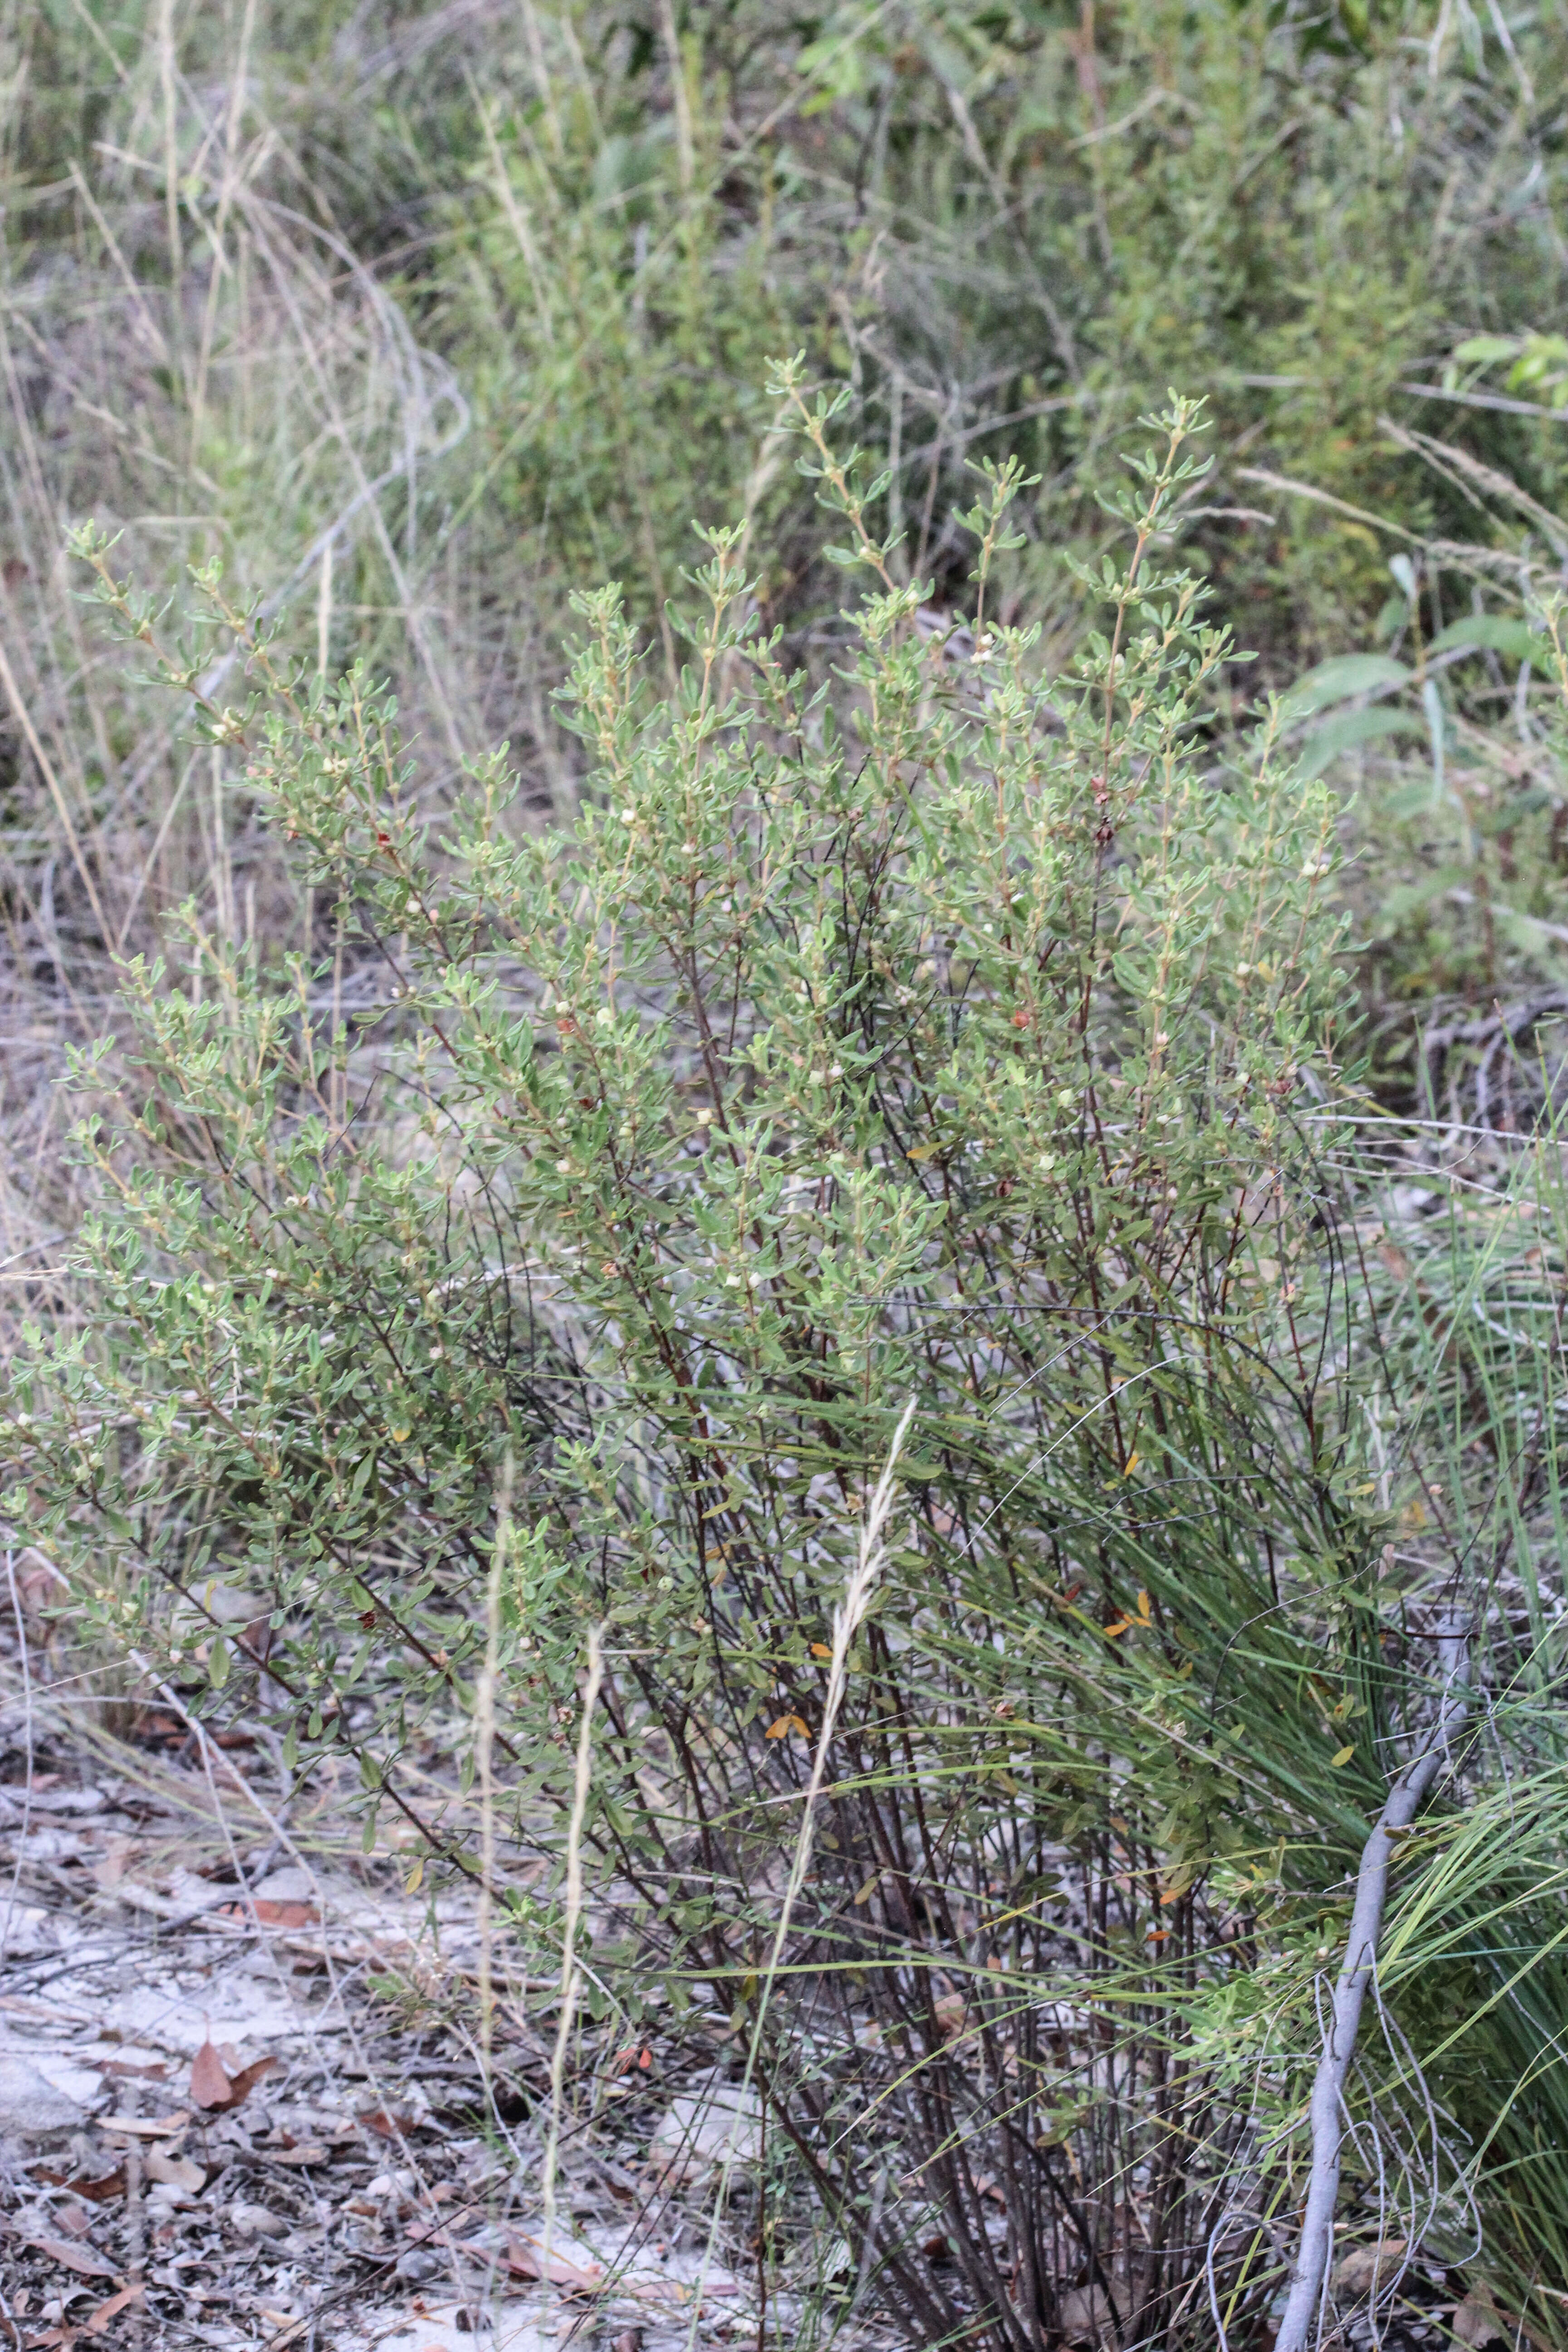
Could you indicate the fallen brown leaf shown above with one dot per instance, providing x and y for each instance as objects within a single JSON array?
[
  {"x": 242, "y": 2084},
  {"x": 275, "y": 1915},
  {"x": 220, "y": 2083},
  {"x": 80, "y": 2259},
  {"x": 97, "y": 2321},
  {"x": 107, "y": 2185},
  {"x": 1476, "y": 2321},
  {"x": 210, "y": 2086},
  {"x": 952, "y": 2015},
  {"x": 430, "y": 2233},
  {"x": 175, "y": 2171},
  {"x": 145, "y": 2127},
  {"x": 387, "y": 2126},
  {"x": 1366, "y": 2268},
  {"x": 525, "y": 2259}
]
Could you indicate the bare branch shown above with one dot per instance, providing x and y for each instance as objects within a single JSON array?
[{"x": 1301, "y": 2319}]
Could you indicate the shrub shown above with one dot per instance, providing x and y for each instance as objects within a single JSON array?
[{"x": 921, "y": 1042}]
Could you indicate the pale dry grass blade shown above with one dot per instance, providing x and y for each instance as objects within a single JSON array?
[
  {"x": 847, "y": 1618},
  {"x": 582, "y": 1788}
]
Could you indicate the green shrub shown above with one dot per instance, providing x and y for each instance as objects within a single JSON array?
[
  {"x": 932, "y": 1039},
  {"x": 920, "y": 1034},
  {"x": 563, "y": 1253}
]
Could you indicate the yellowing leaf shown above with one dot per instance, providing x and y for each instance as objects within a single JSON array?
[
  {"x": 1120, "y": 1627},
  {"x": 784, "y": 1726},
  {"x": 1131, "y": 1464},
  {"x": 1343, "y": 1756},
  {"x": 416, "y": 1877},
  {"x": 1143, "y": 1607},
  {"x": 820, "y": 1650},
  {"x": 398, "y": 1433}
]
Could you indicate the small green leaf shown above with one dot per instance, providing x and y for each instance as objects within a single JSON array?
[{"x": 1484, "y": 351}]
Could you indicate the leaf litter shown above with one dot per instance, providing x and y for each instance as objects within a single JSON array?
[{"x": 243, "y": 2100}]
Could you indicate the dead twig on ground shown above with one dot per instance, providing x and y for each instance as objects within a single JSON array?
[{"x": 1301, "y": 2320}]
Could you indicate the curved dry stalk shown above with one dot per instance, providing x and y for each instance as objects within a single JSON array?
[
  {"x": 1303, "y": 2305},
  {"x": 847, "y": 1618}
]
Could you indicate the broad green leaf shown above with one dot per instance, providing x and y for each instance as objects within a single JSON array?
[
  {"x": 1412, "y": 895},
  {"x": 1337, "y": 681},
  {"x": 1325, "y": 744},
  {"x": 1493, "y": 632},
  {"x": 1527, "y": 931}
]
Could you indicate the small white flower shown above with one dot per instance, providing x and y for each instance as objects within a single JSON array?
[
  {"x": 628, "y": 816},
  {"x": 1242, "y": 970},
  {"x": 732, "y": 1282},
  {"x": 754, "y": 1282},
  {"x": 703, "y": 1117},
  {"x": 564, "y": 1168},
  {"x": 689, "y": 849},
  {"x": 604, "y": 1016},
  {"x": 837, "y": 1071},
  {"x": 1047, "y": 1161}
]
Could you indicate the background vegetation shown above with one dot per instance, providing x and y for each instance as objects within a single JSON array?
[{"x": 523, "y": 1190}]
